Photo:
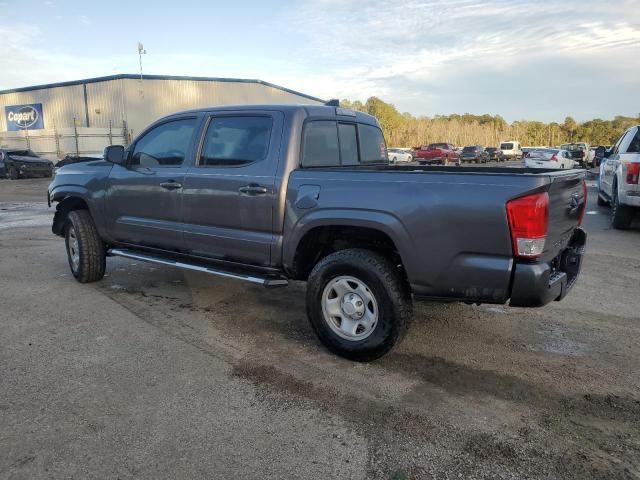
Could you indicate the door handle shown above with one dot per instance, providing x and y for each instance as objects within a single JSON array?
[
  {"x": 171, "y": 185},
  {"x": 253, "y": 190}
]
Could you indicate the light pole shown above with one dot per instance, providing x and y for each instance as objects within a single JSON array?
[{"x": 141, "y": 51}]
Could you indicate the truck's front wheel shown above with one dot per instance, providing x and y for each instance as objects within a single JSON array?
[
  {"x": 358, "y": 304},
  {"x": 85, "y": 249}
]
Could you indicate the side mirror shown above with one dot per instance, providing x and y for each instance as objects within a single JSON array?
[
  {"x": 607, "y": 153},
  {"x": 114, "y": 154}
]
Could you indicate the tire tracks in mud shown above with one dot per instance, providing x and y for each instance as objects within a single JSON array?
[{"x": 555, "y": 436}]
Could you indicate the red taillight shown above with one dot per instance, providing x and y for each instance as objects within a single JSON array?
[
  {"x": 554, "y": 158},
  {"x": 633, "y": 173},
  {"x": 529, "y": 221},
  {"x": 584, "y": 202}
]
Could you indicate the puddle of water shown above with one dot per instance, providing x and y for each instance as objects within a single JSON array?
[{"x": 556, "y": 339}]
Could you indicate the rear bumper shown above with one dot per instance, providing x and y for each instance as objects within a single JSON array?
[
  {"x": 536, "y": 284},
  {"x": 430, "y": 160}
]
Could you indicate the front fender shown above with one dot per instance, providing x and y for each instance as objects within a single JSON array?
[{"x": 377, "y": 220}]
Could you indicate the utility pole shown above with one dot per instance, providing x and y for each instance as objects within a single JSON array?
[{"x": 141, "y": 51}]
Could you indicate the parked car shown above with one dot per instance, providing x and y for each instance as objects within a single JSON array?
[
  {"x": 71, "y": 159},
  {"x": 511, "y": 150},
  {"x": 495, "y": 154},
  {"x": 16, "y": 164},
  {"x": 397, "y": 155},
  {"x": 322, "y": 205},
  {"x": 580, "y": 152},
  {"x": 437, "y": 154},
  {"x": 475, "y": 154},
  {"x": 618, "y": 184},
  {"x": 548, "y": 158}
]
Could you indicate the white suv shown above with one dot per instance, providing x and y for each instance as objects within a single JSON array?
[{"x": 618, "y": 183}]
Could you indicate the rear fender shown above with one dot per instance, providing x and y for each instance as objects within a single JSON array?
[{"x": 381, "y": 221}]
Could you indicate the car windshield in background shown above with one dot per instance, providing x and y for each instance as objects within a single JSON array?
[
  {"x": 469, "y": 149},
  {"x": 491, "y": 149},
  {"x": 542, "y": 152},
  {"x": 21, "y": 153},
  {"x": 506, "y": 146},
  {"x": 573, "y": 147}
]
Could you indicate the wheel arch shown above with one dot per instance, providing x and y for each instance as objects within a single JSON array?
[
  {"x": 323, "y": 232},
  {"x": 67, "y": 202}
]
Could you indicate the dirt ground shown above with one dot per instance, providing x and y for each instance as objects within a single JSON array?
[{"x": 159, "y": 373}]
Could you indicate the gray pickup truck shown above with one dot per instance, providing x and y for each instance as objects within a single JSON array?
[{"x": 269, "y": 194}]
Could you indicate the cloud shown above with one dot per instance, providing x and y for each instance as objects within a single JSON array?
[
  {"x": 522, "y": 59},
  {"x": 426, "y": 56}
]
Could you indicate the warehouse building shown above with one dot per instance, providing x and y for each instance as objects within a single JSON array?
[{"x": 83, "y": 116}]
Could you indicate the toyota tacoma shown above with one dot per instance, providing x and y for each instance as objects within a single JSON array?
[{"x": 269, "y": 194}]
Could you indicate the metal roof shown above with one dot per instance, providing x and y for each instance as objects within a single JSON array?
[{"x": 158, "y": 77}]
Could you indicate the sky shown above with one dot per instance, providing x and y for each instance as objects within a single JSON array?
[{"x": 536, "y": 60}]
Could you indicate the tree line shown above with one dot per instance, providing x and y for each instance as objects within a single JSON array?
[{"x": 406, "y": 130}]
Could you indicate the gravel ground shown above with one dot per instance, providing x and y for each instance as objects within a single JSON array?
[{"x": 159, "y": 373}]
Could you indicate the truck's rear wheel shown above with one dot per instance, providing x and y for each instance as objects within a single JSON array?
[
  {"x": 358, "y": 304},
  {"x": 85, "y": 249},
  {"x": 621, "y": 215}
]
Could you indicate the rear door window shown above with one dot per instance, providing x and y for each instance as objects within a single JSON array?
[
  {"x": 372, "y": 146},
  {"x": 232, "y": 141},
  {"x": 634, "y": 146},
  {"x": 320, "y": 144}
]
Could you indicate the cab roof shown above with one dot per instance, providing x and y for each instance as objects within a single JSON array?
[{"x": 311, "y": 111}]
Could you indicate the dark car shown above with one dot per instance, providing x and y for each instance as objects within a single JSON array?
[
  {"x": 475, "y": 154},
  {"x": 272, "y": 193},
  {"x": 495, "y": 154},
  {"x": 71, "y": 159},
  {"x": 16, "y": 164}
]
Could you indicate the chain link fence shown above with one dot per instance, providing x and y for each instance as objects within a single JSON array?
[{"x": 74, "y": 141}]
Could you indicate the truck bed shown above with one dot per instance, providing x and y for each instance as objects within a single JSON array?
[{"x": 463, "y": 251}]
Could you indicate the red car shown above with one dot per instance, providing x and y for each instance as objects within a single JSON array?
[{"x": 437, "y": 154}]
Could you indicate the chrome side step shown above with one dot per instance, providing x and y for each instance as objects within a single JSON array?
[{"x": 267, "y": 281}]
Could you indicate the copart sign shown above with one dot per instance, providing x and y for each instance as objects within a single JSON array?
[{"x": 24, "y": 117}]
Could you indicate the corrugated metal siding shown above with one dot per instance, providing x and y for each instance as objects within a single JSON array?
[
  {"x": 60, "y": 105},
  {"x": 105, "y": 102},
  {"x": 162, "y": 97},
  {"x": 120, "y": 99}
]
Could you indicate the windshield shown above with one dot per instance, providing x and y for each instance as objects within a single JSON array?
[
  {"x": 506, "y": 146},
  {"x": 491, "y": 149},
  {"x": 469, "y": 149},
  {"x": 22, "y": 153},
  {"x": 573, "y": 147}
]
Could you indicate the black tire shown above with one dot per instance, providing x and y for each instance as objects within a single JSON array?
[
  {"x": 91, "y": 257},
  {"x": 13, "y": 173},
  {"x": 387, "y": 286},
  {"x": 601, "y": 201},
  {"x": 621, "y": 215}
]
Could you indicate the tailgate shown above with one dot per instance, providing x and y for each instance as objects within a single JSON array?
[{"x": 566, "y": 201}]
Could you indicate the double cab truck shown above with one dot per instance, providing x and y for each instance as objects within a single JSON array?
[
  {"x": 269, "y": 194},
  {"x": 437, "y": 154}
]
